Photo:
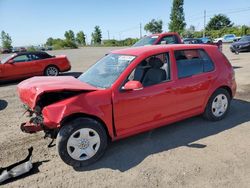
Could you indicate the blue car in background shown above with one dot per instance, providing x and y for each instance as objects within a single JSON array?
[
  {"x": 206, "y": 40},
  {"x": 243, "y": 45}
]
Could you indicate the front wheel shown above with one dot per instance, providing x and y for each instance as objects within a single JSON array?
[
  {"x": 218, "y": 105},
  {"x": 81, "y": 142}
]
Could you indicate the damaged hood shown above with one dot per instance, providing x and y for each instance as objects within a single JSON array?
[{"x": 30, "y": 90}]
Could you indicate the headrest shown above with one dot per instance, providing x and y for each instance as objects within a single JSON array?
[
  {"x": 144, "y": 63},
  {"x": 190, "y": 54},
  {"x": 155, "y": 62}
]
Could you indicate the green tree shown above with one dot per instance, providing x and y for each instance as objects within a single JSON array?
[
  {"x": 6, "y": 40},
  {"x": 154, "y": 26},
  {"x": 244, "y": 30},
  {"x": 31, "y": 49},
  {"x": 50, "y": 41},
  {"x": 69, "y": 35},
  {"x": 97, "y": 35},
  {"x": 81, "y": 38},
  {"x": 70, "y": 41},
  {"x": 189, "y": 33},
  {"x": 218, "y": 22},
  {"x": 177, "y": 23}
]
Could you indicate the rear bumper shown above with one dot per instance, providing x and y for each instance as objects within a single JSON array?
[{"x": 66, "y": 69}]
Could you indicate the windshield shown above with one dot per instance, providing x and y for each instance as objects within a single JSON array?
[
  {"x": 146, "y": 41},
  {"x": 105, "y": 72},
  {"x": 4, "y": 60},
  {"x": 245, "y": 39}
]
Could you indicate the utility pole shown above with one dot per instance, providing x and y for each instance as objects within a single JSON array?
[
  {"x": 108, "y": 35},
  {"x": 204, "y": 30},
  {"x": 140, "y": 32}
]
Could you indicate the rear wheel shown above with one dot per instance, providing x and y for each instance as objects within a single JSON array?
[
  {"x": 218, "y": 105},
  {"x": 51, "y": 71},
  {"x": 81, "y": 142}
]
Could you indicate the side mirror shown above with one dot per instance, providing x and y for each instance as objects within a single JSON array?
[
  {"x": 132, "y": 85},
  {"x": 163, "y": 42},
  {"x": 11, "y": 61}
]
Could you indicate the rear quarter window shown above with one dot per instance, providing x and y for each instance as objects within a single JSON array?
[
  {"x": 44, "y": 55},
  {"x": 192, "y": 62}
]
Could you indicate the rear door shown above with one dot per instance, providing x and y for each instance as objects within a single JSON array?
[{"x": 196, "y": 74}]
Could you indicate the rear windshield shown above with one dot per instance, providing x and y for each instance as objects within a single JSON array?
[{"x": 146, "y": 41}]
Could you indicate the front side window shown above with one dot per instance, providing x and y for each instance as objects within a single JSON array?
[
  {"x": 21, "y": 58},
  {"x": 105, "y": 72},
  {"x": 146, "y": 41},
  {"x": 192, "y": 62},
  {"x": 152, "y": 70},
  {"x": 35, "y": 57},
  {"x": 171, "y": 39}
]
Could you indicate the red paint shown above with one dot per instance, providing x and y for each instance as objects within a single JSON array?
[
  {"x": 162, "y": 35},
  {"x": 133, "y": 85},
  {"x": 128, "y": 112},
  {"x": 13, "y": 71},
  {"x": 32, "y": 88}
]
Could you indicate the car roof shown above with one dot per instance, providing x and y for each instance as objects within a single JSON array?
[
  {"x": 163, "y": 34},
  {"x": 137, "y": 51},
  {"x": 29, "y": 53}
]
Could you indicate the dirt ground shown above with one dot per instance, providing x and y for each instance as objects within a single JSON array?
[{"x": 190, "y": 153}]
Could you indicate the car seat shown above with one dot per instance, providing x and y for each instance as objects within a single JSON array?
[
  {"x": 155, "y": 74},
  {"x": 141, "y": 70}
]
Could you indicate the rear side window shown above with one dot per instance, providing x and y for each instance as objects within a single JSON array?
[
  {"x": 192, "y": 62},
  {"x": 44, "y": 55},
  {"x": 170, "y": 39}
]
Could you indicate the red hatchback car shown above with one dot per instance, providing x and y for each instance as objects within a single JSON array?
[
  {"x": 127, "y": 92},
  {"x": 27, "y": 64}
]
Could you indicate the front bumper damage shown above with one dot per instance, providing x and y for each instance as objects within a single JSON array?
[
  {"x": 30, "y": 127},
  {"x": 36, "y": 123}
]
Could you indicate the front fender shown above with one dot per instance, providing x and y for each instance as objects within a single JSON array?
[{"x": 97, "y": 104}]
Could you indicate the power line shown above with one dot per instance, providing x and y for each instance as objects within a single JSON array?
[{"x": 219, "y": 12}]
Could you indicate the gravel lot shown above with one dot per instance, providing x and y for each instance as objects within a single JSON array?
[{"x": 190, "y": 153}]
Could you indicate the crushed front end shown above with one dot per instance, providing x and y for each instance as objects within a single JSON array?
[{"x": 36, "y": 122}]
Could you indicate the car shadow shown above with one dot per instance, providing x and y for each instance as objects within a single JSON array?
[
  {"x": 236, "y": 67},
  {"x": 3, "y": 104},
  {"x": 9, "y": 83},
  {"x": 15, "y": 82},
  {"x": 128, "y": 153}
]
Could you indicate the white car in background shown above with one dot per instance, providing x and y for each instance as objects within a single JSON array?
[{"x": 227, "y": 38}]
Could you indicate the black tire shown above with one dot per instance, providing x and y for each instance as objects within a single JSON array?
[
  {"x": 208, "y": 113},
  {"x": 47, "y": 71},
  {"x": 69, "y": 129}
]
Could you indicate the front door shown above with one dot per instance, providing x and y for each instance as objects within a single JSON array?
[
  {"x": 138, "y": 110},
  {"x": 21, "y": 67}
]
